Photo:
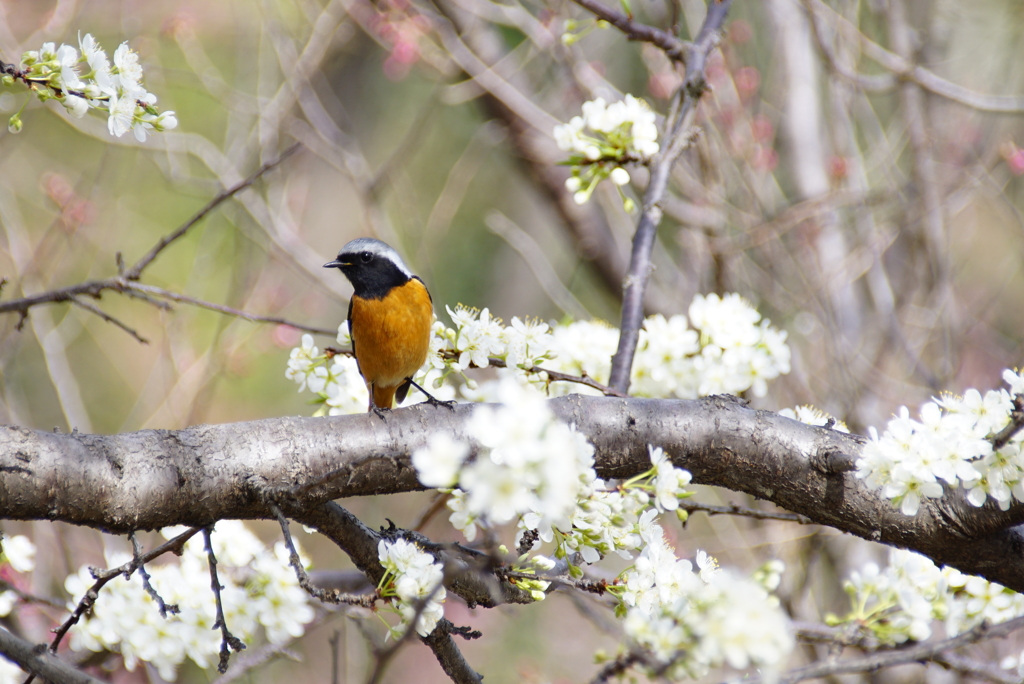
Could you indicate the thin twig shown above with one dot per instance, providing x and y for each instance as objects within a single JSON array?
[
  {"x": 229, "y": 642},
  {"x": 897, "y": 656},
  {"x": 119, "y": 284},
  {"x": 108, "y": 318},
  {"x": 553, "y": 375},
  {"x": 325, "y": 595},
  {"x": 103, "y": 577},
  {"x": 733, "y": 509},
  {"x": 220, "y": 308},
  {"x": 165, "y": 608},
  {"x": 675, "y": 48},
  {"x": 383, "y": 657},
  {"x": 136, "y": 271},
  {"x": 617, "y": 667},
  {"x": 1003, "y": 437},
  {"x": 674, "y": 141}
]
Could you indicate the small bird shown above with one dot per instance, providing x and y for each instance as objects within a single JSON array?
[{"x": 389, "y": 318}]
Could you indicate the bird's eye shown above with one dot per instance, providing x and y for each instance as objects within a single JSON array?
[{"x": 366, "y": 257}]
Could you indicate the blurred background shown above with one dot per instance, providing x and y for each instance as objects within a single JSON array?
[{"x": 877, "y": 221}]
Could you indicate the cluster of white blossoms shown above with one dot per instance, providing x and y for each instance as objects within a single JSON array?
[
  {"x": 690, "y": 621},
  {"x": 903, "y": 601},
  {"x": 951, "y": 443},
  {"x": 53, "y": 73},
  {"x": 259, "y": 590},
  {"x": 529, "y": 465},
  {"x": 728, "y": 349},
  {"x": 603, "y": 139},
  {"x": 412, "y": 577}
]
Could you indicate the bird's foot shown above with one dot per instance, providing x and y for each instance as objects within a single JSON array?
[
  {"x": 431, "y": 399},
  {"x": 434, "y": 401},
  {"x": 381, "y": 412}
]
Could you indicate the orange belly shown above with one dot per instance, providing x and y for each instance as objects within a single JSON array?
[{"x": 391, "y": 336}]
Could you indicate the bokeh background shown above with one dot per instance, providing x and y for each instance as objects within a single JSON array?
[{"x": 878, "y": 222}]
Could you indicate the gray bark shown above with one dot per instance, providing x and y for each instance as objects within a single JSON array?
[{"x": 155, "y": 478}]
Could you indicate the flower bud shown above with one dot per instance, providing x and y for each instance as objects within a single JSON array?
[
  {"x": 572, "y": 184},
  {"x": 7, "y": 80},
  {"x": 14, "y": 125},
  {"x": 619, "y": 176}
]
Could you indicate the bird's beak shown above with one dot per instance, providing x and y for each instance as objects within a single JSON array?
[{"x": 335, "y": 264}]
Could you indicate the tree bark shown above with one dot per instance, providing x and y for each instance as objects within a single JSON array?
[{"x": 196, "y": 476}]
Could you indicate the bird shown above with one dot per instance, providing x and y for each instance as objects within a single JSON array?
[{"x": 389, "y": 318}]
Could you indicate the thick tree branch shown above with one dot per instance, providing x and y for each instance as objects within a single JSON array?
[
  {"x": 674, "y": 142},
  {"x": 199, "y": 475}
]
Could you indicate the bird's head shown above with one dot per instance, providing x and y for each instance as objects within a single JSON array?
[{"x": 371, "y": 266}]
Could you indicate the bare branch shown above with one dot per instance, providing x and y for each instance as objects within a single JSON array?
[
  {"x": 675, "y": 48},
  {"x": 229, "y": 642},
  {"x": 102, "y": 578},
  {"x": 734, "y": 509},
  {"x": 165, "y": 608},
  {"x": 904, "y": 69},
  {"x": 135, "y": 272},
  {"x": 887, "y": 658},
  {"x": 325, "y": 595},
  {"x": 108, "y": 318},
  {"x": 220, "y": 308},
  {"x": 38, "y": 660},
  {"x": 674, "y": 141},
  {"x": 1003, "y": 437},
  {"x": 153, "y": 479}
]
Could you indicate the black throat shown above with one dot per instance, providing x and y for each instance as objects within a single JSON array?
[{"x": 374, "y": 280}]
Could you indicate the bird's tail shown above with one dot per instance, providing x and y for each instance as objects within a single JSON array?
[{"x": 384, "y": 397}]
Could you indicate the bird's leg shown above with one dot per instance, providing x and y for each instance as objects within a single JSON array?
[
  {"x": 432, "y": 400},
  {"x": 381, "y": 411}
]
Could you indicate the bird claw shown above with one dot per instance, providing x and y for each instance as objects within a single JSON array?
[
  {"x": 381, "y": 412},
  {"x": 433, "y": 401}
]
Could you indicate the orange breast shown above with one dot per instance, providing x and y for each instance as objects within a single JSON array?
[{"x": 392, "y": 334}]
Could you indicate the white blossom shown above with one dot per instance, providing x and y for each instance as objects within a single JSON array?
[
  {"x": 259, "y": 590},
  {"x": 20, "y": 552},
  {"x": 413, "y": 576},
  {"x": 950, "y": 444}
]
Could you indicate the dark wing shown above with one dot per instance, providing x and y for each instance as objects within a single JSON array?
[
  {"x": 350, "y": 335},
  {"x": 402, "y": 392}
]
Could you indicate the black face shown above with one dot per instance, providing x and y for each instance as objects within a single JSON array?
[{"x": 372, "y": 275}]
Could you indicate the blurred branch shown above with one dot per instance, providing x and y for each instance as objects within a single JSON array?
[
  {"x": 532, "y": 253},
  {"x": 675, "y": 48},
  {"x": 119, "y": 284},
  {"x": 904, "y": 69},
  {"x": 675, "y": 140},
  {"x": 932, "y": 651},
  {"x": 135, "y": 271}
]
